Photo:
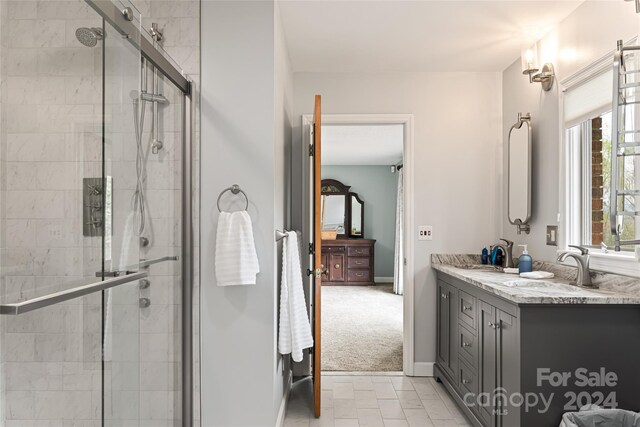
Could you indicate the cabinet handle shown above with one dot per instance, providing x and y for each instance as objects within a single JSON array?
[
  {"x": 337, "y": 266},
  {"x": 494, "y": 325},
  {"x": 466, "y": 344},
  {"x": 444, "y": 296},
  {"x": 466, "y": 381},
  {"x": 466, "y": 307}
]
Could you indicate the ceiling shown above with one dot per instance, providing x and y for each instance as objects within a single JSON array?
[
  {"x": 362, "y": 144},
  {"x": 405, "y": 36}
]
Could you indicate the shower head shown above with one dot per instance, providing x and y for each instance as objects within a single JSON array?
[{"x": 89, "y": 36}]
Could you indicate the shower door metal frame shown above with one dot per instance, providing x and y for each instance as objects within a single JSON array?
[{"x": 118, "y": 19}]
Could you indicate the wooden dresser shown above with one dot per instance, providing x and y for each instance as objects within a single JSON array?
[{"x": 348, "y": 262}]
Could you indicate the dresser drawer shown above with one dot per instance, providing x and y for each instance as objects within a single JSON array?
[
  {"x": 467, "y": 378},
  {"x": 468, "y": 346},
  {"x": 359, "y": 275},
  {"x": 467, "y": 306},
  {"x": 359, "y": 262},
  {"x": 359, "y": 251},
  {"x": 333, "y": 249}
]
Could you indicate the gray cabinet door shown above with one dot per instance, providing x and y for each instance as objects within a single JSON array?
[
  {"x": 508, "y": 367},
  {"x": 446, "y": 353},
  {"x": 487, "y": 361}
]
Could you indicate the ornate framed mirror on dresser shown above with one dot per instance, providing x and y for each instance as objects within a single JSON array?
[{"x": 347, "y": 257}]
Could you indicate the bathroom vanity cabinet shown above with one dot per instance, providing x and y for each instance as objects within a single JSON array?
[{"x": 490, "y": 351}]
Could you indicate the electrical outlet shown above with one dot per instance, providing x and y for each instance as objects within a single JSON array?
[{"x": 425, "y": 232}]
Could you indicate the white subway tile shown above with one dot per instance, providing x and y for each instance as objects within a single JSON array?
[
  {"x": 20, "y": 233},
  {"x": 18, "y": 347},
  {"x": 20, "y": 9},
  {"x": 19, "y": 405},
  {"x": 63, "y": 9},
  {"x": 35, "y": 147},
  {"x": 35, "y": 204}
]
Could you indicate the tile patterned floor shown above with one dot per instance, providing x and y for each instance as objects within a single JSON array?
[{"x": 374, "y": 401}]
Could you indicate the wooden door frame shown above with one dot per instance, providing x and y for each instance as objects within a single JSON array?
[{"x": 408, "y": 341}]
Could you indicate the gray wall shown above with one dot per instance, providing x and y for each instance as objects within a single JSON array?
[
  {"x": 377, "y": 187},
  {"x": 246, "y": 105},
  {"x": 458, "y": 132},
  {"x": 576, "y": 33}
]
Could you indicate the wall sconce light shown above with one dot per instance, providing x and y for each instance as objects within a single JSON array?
[
  {"x": 637, "y": 5},
  {"x": 530, "y": 67}
]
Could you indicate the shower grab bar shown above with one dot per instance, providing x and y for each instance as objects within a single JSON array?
[
  {"x": 69, "y": 294},
  {"x": 134, "y": 267}
]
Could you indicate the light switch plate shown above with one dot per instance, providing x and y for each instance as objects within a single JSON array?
[
  {"x": 552, "y": 235},
  {"x": 425, "y": 232}
]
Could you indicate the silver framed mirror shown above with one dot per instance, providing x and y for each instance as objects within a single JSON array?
[{"x": 519, "y": 173}]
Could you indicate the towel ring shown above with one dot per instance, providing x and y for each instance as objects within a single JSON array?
[{"x": 235, "y": 189}]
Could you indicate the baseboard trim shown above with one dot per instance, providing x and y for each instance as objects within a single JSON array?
[
  {"x": 423, "y": 369},
  {"x": 383, "y": 279},
  {"x": 282, "y": 412}
]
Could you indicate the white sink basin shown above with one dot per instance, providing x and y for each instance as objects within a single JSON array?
[{"x": 541, "y": 285}]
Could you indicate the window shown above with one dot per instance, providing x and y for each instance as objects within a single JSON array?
[
  {"x": 588, "y": 133},
  {"x": 588, "y": 168},
  {"x": 589, "y": 173}
]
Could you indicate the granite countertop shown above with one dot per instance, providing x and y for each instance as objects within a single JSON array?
[{"x": 613, "y": 289}]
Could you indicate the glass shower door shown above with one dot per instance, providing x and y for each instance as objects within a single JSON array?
[
  {"x": 50, "y": 140},
  {"x": 69, "y": 249},
  {"x": 91, "y": 219},
  {"x": 123, "y": 174}
]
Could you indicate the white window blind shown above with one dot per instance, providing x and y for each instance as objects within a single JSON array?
[{"x": 588, "y": 99}]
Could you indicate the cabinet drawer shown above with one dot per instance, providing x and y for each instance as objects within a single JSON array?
[
  {"x": 359, "y": 262},
  {"x": 359, "y": 276},
  {"x": 333, "y": 249},
  {"x": 467, "y": 305},
  {"x": 468, "y": 346},
  {"x": 358, "y": 251},
  {"x": 467, "y": 378},
  {"x": 336, "y": 267}
]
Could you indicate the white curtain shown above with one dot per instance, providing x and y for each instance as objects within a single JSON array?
[{"x": 398, "y": 276}]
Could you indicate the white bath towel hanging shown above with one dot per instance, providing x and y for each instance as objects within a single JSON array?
[
  {"x": 236, "y": 257},
  {"x": 294, "y": 328}
]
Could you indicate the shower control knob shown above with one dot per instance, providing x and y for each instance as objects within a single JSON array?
[
  {"x": 144, "y": 241},
  {"x": 144, "y": 283},
  {"x": 96, "y": 190},
  {"x": 145, "y": 302}
]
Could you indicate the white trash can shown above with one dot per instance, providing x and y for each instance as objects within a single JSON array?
[{"x": 598, "y": 417}]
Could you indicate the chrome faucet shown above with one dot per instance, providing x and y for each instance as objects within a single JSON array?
[
  {"x": 507, "y": 252},
  {"x": 584, "y": 275}
]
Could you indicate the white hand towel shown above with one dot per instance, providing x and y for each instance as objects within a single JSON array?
[
  {"x": 295, "y": 330},
  {"x": 236, "y": 257}
]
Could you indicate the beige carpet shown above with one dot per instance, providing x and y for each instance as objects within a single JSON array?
[{"x": 361, "y": 328}]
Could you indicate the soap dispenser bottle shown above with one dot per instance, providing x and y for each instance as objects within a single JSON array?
[
  {"x": 485, "y": 256},
  {"x": 525, "y": 262}
]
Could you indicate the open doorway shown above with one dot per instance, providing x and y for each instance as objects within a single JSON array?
[{"x": 362, "y": 214}]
